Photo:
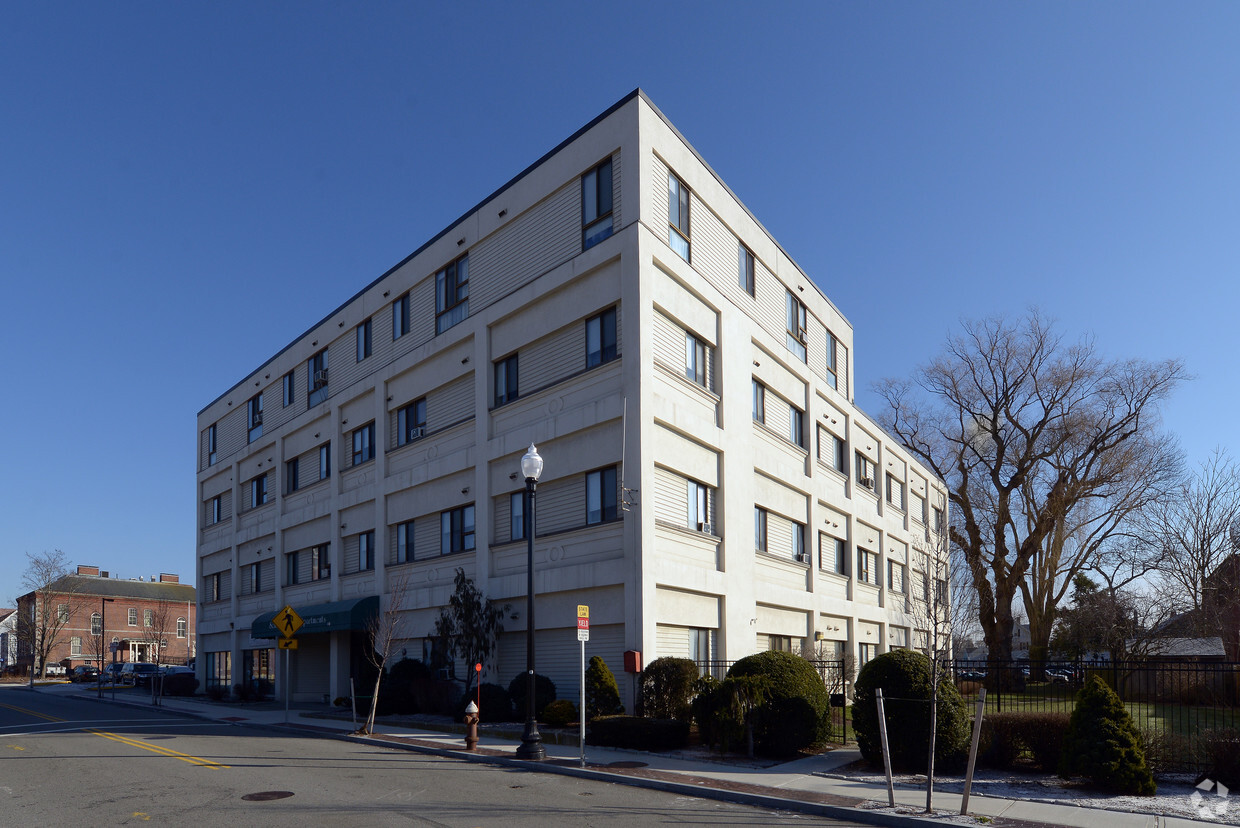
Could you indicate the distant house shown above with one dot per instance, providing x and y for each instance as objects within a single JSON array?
[
  {"x": 8, "y": 639},
  {"x": 1169, "y": 648},
  {"x": 138, "y": 619}
]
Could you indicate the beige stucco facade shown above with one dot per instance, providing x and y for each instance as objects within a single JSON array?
[{"x": 673, "y": 562}]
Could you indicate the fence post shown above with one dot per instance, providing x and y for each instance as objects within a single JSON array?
[
  {"x": 882, "y": 732},
  {"x": 977, "y": 735}
]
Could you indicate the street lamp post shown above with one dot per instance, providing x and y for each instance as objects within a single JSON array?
[
  {"x": 531, "y": 746},
  {"x": 103, "y": 629}
]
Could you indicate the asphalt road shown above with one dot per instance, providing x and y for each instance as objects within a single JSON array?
[{"x": 73, "y": 761}]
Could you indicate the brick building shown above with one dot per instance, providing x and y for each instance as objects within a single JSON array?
[{"x": 147, "y": 620}]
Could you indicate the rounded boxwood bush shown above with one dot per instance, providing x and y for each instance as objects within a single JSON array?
[
  {"x": 1103, "y": 745},
  {"x": 904, "y": 676},
  {"x": 667, "y": 688},
  {"x": 495, "y": 706},
  {"x": 560, "y": 712},
  {"x": 794, "y": 713},
  {"x": 544, "y": 694}
]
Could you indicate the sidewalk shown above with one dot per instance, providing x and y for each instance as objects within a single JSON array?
[{"x": 796, "y": 786}]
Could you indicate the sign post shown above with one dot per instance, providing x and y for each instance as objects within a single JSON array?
[
  {"x": 583, "y": 635},
  {"x": 287, "y": 622}
]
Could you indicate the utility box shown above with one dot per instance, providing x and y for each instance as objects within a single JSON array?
[{"x": 632, "y": 661}]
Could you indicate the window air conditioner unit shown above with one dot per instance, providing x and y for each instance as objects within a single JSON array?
[
  {"x": 417, "y": 433},
  {"x": 320, "y": 378},
  {"x": 708, "y": 528},
  {"x": 802, "y": 336},
  {"x": 258, "y": 418},
  {"x": 803, "y": 557},
  {"x": 868, "y": 482}
]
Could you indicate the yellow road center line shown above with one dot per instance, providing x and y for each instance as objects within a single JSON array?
[{"x": 160, "y": 749}]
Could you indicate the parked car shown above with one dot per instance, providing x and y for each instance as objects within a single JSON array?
[
  {"x": 54, "y": 670},
  {"x": 174, "y": 669},
  {"x": 180, "y": 684},
  {"x": 84, "y": 672},
  {"x": 109, "y": 672},
  {"x": 138, "y": 673}
]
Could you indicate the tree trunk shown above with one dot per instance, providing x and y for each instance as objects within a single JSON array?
[{"x": 368, "y": 728}]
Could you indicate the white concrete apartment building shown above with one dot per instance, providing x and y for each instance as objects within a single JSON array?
[{"x": 710, "y": 489}]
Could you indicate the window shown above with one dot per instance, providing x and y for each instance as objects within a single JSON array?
[
  {"x": 925, "y": 587},
  {"x": 219, "y": 669},
  {"x": 456, "y": 530},
  {"x": 798, "y": 543},
  {"x": 96, "y": 624},
  {"x": 320, "y": 562},
  {"x": 699, "y": 508},
  {"x": 256, "y": 577},
  {"x": 936, "y": 519},
  {"x": 404, "y": 542},
  {"x": 258, "y": 491},
  {"x": 678, "y": 216},
  {"x": 255, "y": 411},
  {"x": 831, "y": 369},
  {"x": 364, "y": 444},
  {"x": 62, "y": 613},
  {"x": 601, "y": 338},
  {"x": 940, "y": 593},
  {"x": 865, "y": 471},
  {"x": 400, "y": 317},
  {"x": 895, "y": 491},
  {"x": 411, "y": 422},
  {"x": 216, "y": 509},
  {"x": 212, "y": 588},
  {"x": 780, "y": 643},
  {"x": 866, "y": 653},
  {"x": 867, "y": 566},
  {"x": 288, "y": 389},
  {"x": 759, "y": 402},
  {"x": 832, "y": 554},
  {"x": 211, "y": 444},
  {"x": 601, "y": 495},
  {"x": 745, "y": 270},
  {"x": 796, "y": 426},
  {"x": 325, "y": 460},
  {"x": 363, "y": 340},
  {"x": 290, "y": 476},
  {"x": 147, "y": 618},
  {"x": 75, "y": 646},
  {"x": 133, "y": 615},
  {"x": 596, "y": 205},
  {"x": 895, "y": 576},
  {"x": 452, "y": 294},
  {"x": 366, "y": 551},
  {"x": 291, "y": 575},
  {"x": 831, "y": 450},
  {"x": 696, "y": 367},
  {"x": 316, "y": 370},
  {"x": 181, "y": 628},
  {"x": 798, "y": 326},
  {"x": 918, "y": 507},
  {"x": 506, "y": 380},
  {"x": 516, "y": 510},
  {"x": 759, "y": 528}
]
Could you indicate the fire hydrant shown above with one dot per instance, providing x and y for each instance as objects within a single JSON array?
[{"x": 471, "y": 726}]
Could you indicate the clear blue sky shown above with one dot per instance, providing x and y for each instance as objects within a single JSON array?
[{"x": 186, "y": 187}]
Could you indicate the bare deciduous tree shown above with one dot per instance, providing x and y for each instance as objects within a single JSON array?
[
  {"x": 1022, "y": 426},
  {"x": 46, "y": 614},
  {"x": 162, "y": 624},
  {"x": 383, "y": 630},
  {"x": 1191, "y": 533}
]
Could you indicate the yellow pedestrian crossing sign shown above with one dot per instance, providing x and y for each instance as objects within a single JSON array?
[
  {"x": 287, "y": 622},
  {"x": 287, "y": 643}
]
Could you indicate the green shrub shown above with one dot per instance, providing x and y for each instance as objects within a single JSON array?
[
  {"x": 602, "y": 692},
  {"x": 1103, "y": 745},
  {"x": 794, "y": 714},
  {"x": 638, "y": 733},
  {"x": 667, "y": 687},
  {"x": 544, "y": 694},
  {"x": 706, "y": 710},
  {"x": 1220, "y": 752},
  {"x": 904, "y": 676},
  {"x": 1009, "y": 739},
  {"x": 1167, "y": 752},
  {"x": 495, "y": 705},
  {"x": 560, "y": 713}
]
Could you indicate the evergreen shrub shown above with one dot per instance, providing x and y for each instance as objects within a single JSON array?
[
  {"x": 1103, "y": 745},
  {"x": 796, "y": 709},
  {"x": 544, "y": 694},
  {"x": 667, "y": 688},
  {"x": 602, "y": 692}
]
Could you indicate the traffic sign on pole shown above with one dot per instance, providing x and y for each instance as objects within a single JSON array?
[{"x": 287, "y": 622}]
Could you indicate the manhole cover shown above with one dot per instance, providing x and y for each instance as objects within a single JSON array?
[
  {"x": 267, "y": 796},
  {"x": 625, "y": 765}
]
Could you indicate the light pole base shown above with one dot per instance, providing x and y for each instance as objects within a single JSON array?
[{"x": 531, "y": 746}]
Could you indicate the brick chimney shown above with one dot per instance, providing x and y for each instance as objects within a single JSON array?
[
  {"x": 93, "y": 571},
  {"x": 165, "y": 578}
]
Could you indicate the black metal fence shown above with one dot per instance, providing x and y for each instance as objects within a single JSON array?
[{"x": 1178, "y": 705}]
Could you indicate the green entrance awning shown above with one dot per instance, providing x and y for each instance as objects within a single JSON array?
[{"x": 335, "y": 616}]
